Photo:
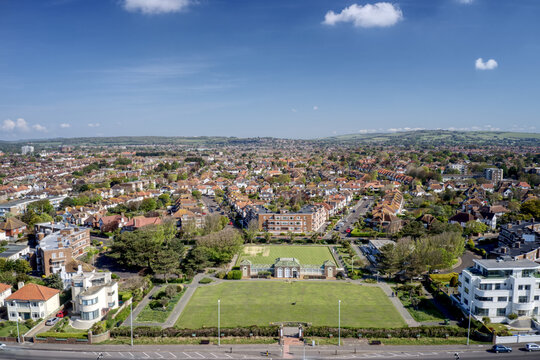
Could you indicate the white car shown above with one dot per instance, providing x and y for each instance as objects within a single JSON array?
[
  {"x": 2, "y": 346},
  {"x": 532, "y": 347}
]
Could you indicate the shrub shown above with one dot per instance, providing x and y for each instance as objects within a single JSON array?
[
  {"x": 155, "y": 304},
  {"x": 99, "y": 328},
  {"x": 234, "y": 275},
  {"x": 221, "y": 275},
  {"x": 512, "y": 316},
  {"x": 486, "y": 320},
  {"x": 29, "y": 323},
  {"x": 171, "y": 290},
  {"x": 205, "y": 281},
  {"x": 114, "y": 277}
]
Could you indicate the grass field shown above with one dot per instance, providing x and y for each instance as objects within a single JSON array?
[
  {"x": 10, "y": 328},
  {"x": 307, "y": 255},
  {"x": 260, "y": 303},
  {"x": 158, "y": 315}
]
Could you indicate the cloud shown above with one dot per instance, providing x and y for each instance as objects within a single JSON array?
[
  {"x": 380, "y": 14},
  {"x": 17, "y": 125},
  {"x": 488, "y": 65},
  {"x": 315, "y": 108},
  {"x": 465, "y": 1},
  {"x": 294, "y": 110},
  {"x": 65, "y": 126},
  {"x": 94, "y": 125},
  {"x": 151, "y": 7},
  {"x": 39, "y": 128}
]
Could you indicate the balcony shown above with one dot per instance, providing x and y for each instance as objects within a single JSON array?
[
  {"x": 492, "y": 293},
  {"x": 523, "y": 306}
]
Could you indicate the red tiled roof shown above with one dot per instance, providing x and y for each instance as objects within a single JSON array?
[{"x": 33, "y": 292}]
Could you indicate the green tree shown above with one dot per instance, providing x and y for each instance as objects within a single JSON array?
[
  {"x": 531, "y": 207},
  {"x": 475, "y": 227},
  {"x": 54, "y": 281},
  {"x": 148, "y": 204}
]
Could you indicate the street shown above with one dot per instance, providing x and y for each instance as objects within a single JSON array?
[{"x": 184, "y": 352}]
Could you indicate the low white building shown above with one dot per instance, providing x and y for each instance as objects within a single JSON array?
[
  {"x": 93, "y": 295},
  {"x": 498, "y": 288},
  {"x": 5, "y": 291},
  {"x": 32, "y": 301}
]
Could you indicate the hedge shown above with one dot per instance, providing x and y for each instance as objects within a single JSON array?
[
  {"x": 425, "y": 331},
  {"x": 443, "y": 277},
  {"x": 155, "y": 331},
  {"x": 57, "y": 335}
]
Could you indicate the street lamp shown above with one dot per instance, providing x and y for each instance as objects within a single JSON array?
[
  {"x": 218, "y": 321},
  {"x": 131, "y": 319},
  {"x": 339, "y": 322},
  {"x": 18, "y": 336},
  {"x": 469, "y": 329}
]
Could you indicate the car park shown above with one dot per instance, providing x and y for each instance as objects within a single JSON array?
[
  {"x": 532, "y": 347},
  {"x": 501, "y": 349},
  {"x": 52, "y": 321}
]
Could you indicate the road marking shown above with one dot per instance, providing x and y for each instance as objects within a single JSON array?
[
  {"x": 230, "y": 357},
  {"x": 107, "y": 354},
  {"x": 147, "y": 356},
  {"x": 158, "y": 354},
  {"x": 122, "y": 355},
  {"x": 174, "y": 356},
  {"x": 131, "y": 354},
  {"x": 214, "y": 355},
  {"x": 202, "y": 356},
  {"x": 189, "y": 356}
]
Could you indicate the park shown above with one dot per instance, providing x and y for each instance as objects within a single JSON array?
[{"x": 246, "y": 303}]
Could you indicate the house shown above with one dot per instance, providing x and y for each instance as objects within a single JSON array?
[
  {"x": 3, "y": 235},
  {"x": 138, "y": 222},
  {"x": 13, "y": 227},
  {"x": 15, "y": 252},
  {"x": 32, "y": 301},
  {"x": 461, "y": 218},
  {"x": 93, "y": 295},
  {"x": 5, "y": 291},
  {"x": 496, "y": 288}
]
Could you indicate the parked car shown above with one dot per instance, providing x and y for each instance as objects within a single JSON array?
[
  {"x": 2, "y": 346},
  {"x": 532, "y": 347},
  {"x": 52, "y": 321},
  {"x": 62, "y": 313},
  {"x": 501, "y": 349}
]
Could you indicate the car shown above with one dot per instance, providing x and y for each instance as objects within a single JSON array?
[
  {"x": 230, "y": 222},
  {"x": 501, "y": 349},
  {"x": 52, "y": 321},
  {"x": 348, "y": 230},
  {"x": 2, "y": 346},
  {"x": 61, "y": 313},
  {"x": 532, "y": 347}
]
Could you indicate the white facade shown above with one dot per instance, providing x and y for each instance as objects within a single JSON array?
[
  {"x": 498, "y": 288},
  {"x": 93, "y": 295}
]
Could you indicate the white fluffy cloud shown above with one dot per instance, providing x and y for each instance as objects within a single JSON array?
[
  {"x": 156, "y": 6},
  {"x": 94, "y": 125},
  {"x": 480, "y": 64},
  {"x": 17, "y": 125},
  {"x": 466, "y": 1},
  {"x": 382, "y": 14},
  {"x": 65, "y": 125},
  {"x": 39, "y": 128},
  {"x": 315, "y": 108}
]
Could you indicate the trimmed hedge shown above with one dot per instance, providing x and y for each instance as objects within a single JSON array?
[
  {"x": 443, "y": 277},
  {"x": 234, "y": 275},
  {"x": 425, "y": 331},
  {"x": 154, "y": 331},
  {"x": 56, "y": 335}
]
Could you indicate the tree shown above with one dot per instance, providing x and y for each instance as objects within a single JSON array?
[
  {"x": 166, "y": 262},
  {"x": 41, "y": 207},
  {"x": 196, "y": 194},
  {"x": 251, "y": 230},
  {"x": 414, "y": 229},
  {"x": 148, "y": 204},
  {"x": 531, "y": 207},
  {"x": 475, "y": 227},
  {"x": 54, "y": 281}
]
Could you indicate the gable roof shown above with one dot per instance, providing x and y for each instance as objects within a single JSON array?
[
  {"x": 33, "y": 292},
  {"x": 4, "y": 287},
  {"x": 12, "y": 223}
]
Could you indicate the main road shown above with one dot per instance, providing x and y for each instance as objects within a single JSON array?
[{"x": 187, "y": 352}]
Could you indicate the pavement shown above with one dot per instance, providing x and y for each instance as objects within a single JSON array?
[
  {"x": 178, "y": 308},
  {"x": 254, "y": 351}
]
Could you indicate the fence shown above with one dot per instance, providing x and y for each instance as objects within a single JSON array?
[{"x": 516, "y": 339}]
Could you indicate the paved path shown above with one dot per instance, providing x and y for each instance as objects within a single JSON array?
[
  {"x": 140, "y": 307},
  {"x": 178, "y": 308}
]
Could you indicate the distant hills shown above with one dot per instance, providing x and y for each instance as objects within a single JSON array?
[{"x": 423, "y": 138}]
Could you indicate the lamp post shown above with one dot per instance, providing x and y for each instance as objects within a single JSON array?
[
  {"x": 218, "y": 321},
  {"x": 339, "y": 322},
  {"x": 18, "y": 336},
  {"x": 131, "y": 320},
  {"x": 469, "y": 329}
]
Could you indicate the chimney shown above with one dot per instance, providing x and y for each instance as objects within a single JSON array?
[
  {"x": 20, "y": 285},
  {"x": 509, "y": 226},
  {"x": 40, "y": 236},
  {"x": 79, "y": 269},
  {"x": 504, "y": 250},
  {"x": 517, "y": 244}
]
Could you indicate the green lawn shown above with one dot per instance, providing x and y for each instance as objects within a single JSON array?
[
  {"x": 425, "y": 310},
  {"x": 157, "y": 315},
  {"x": 260, "y": 303},
  {"x": 267, "y": 254},
  {"x": 10, "y": 328}
]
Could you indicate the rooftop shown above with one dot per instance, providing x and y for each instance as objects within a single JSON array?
[{"x": 507, "y": 264}]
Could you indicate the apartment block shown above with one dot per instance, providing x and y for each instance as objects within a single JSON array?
[
  {"x": 309, "y": 218},
  {"x": 59, "y": 248},
  {"x": 498, "y": 288},
  {"x": 493, "y": 174}
]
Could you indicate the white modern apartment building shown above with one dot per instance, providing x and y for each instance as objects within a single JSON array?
[
  {"x": 93, "y": 295},
  {"x": 498, "y": 288}
]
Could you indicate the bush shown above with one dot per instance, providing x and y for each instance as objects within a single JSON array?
[
  {"x": 155, "y": 304},
  {"x": 154, "y": 331},
  {"x": 171, "y": 290},
  {"x": 221, "y": 275},
  {"x": 443, "y": 277},
  {"x": 234, "y": 275},
  {"x": 512, "y": 316},
  {"x": 486, "y": 320},
  {"x": 99, "y": 328},
  {"x": 29, "y": 323},
  {"x": 205, "y": 281}
]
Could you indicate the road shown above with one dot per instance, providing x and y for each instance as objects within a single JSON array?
[
  {"x": 186, "y": 352},
  {"x": 348, "y": 221}
]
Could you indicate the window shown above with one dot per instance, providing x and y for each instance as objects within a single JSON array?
[
  {"x": 54, "y": 255},
  {"x": 90, "y": 302},
  {"x": 481, "y": 312},
  {"x": 61, "y": 254},
  {"x": 486, "y": 286},
  {"x": 111, "y": 304},
  {"x": 89, "y": 315},
  {"x": 466, "y": 290},
  {"x": 522, "y": 299},
  {"x": 501, "y": 312},
  {"x": 467, "y": 280},
  {"x": 502, "y": 298},
  {"x": 497, "y": 286},
  {"x": 537, "y": 297}
]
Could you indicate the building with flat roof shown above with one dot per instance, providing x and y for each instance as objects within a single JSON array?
[
  {"x": 307, "y": 219},
  {"x": 496, "y": 288}
]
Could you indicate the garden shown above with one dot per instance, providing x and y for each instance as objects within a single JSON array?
[{"x": 162, "y": 304}]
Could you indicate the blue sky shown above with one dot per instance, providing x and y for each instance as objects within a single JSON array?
[{"x": 284, "y": 68}]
